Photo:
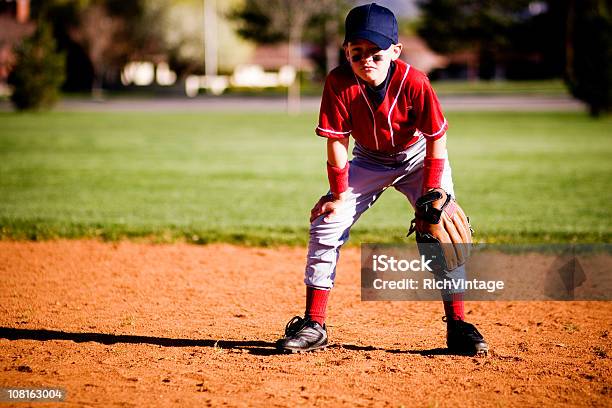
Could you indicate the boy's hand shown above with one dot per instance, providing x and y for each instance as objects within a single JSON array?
[{"x": 327, "y": 204}]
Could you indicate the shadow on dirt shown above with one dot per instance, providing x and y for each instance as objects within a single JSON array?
[
  {"x": 252, "y": 346},
  {"x": 256, "y": 347},
  {"x": 427, "y": 352}
]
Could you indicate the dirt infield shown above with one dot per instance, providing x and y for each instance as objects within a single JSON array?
[{"x": 136, "y": 324}]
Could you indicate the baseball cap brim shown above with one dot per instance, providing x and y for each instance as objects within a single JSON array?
[{"x": 380, "y": 40}]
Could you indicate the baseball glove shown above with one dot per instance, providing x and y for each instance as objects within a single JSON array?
[{"x": 442, "y": 229}]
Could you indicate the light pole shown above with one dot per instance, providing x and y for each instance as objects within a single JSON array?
[{"x": 210, "y": 38}]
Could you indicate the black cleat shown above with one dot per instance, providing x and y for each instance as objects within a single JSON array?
[
  {"x": 303, "y": 335},
  {"x": 464, "y": 338}
]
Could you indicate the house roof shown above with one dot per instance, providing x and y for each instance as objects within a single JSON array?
[
  {"x": 11, "y": 34},
  {"x": 12, "y": 31},
  {"x": 274, "y": 56},
  {"x": 416, "y": 53}
]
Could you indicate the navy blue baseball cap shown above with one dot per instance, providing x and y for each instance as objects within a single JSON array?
[{"x": 371, "y": 22}]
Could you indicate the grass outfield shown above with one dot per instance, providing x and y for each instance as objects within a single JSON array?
[
  {"x": 252, "y": 178},
  {"x": 552, "y": 87}
]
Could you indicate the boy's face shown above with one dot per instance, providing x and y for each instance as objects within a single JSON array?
[{"x": 369, "y": 62}]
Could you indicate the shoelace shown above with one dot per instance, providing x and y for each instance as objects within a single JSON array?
[
  {"x": 465, "y": 328},
  {"x": 469, "y": 330},
  {"x": 294, "y": 325}
]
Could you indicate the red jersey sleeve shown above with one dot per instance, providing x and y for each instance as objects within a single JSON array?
[
  {"x": 334, "y": 117},
  {"x": 430, "y": 120}
]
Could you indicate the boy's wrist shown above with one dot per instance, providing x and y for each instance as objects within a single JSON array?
[
  {"x": 338, "y": 179},
  {"x": 433, "y": 169},
  {"x": 339, "y": 197}
]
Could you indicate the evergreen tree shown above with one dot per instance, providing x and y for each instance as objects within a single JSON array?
[
  {"x": 38, "y": 73},
  {"x": 589, "y": 53}
]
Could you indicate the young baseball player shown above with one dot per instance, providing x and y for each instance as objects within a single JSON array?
[{"x": 399, "y": 132}]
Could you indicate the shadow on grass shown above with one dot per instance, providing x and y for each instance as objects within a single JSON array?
[{"x": 256, "y": 347}]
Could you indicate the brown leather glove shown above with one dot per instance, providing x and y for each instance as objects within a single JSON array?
[{"x": 443, "y": 229}]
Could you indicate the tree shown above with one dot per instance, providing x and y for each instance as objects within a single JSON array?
[
  {"x": 97, "y": 32},
  {"x": 497, "y": 30},
  {"x": 589, "y": 53},
  {"x": 38, "y": 73},
  {"x": 110, "y": 32},
  {"x": 270, "y": 21},
  {"x": 182, "y": 29}
]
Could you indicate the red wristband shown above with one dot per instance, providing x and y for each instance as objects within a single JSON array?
[
  {"x": 338, "y": 178},
  {"x": 432, "y": 173}
]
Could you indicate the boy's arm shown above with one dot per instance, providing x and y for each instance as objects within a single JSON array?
[
  {"x": 337, "y": 162},
  {"x": 337, "y": 158},
  {"x": 436, "y": 148},
  {"x": 435, "y": 153}
]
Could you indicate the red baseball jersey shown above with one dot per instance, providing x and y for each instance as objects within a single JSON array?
[{"x": 410, "y": 106}]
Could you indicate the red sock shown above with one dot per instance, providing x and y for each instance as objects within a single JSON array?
[
  {"x": 453, "y": 308},
  {"x": 316, "y": 304}
]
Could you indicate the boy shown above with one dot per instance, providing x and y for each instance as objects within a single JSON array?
[{"x": 395, "y": 118}]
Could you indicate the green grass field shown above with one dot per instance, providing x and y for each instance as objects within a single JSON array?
[
  {"x": 252, "y": 178},
  {"x": 553, "y": 87}
]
